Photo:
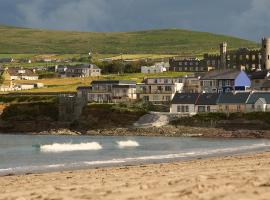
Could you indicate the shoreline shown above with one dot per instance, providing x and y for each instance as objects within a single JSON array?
[
  {"x": 164, "y": 131},
  {"x": 223, "y": 177}
]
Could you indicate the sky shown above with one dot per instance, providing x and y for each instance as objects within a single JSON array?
[{"x": 242, "y": 18}]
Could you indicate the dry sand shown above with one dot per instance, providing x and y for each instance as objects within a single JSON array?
[{"x": 238, "y": 177}]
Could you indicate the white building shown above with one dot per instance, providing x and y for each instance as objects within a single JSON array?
[
  {"x": 258, "y": 102},
  {"x": 184, "y": 103},
  {"x": 157, "y": 68}
]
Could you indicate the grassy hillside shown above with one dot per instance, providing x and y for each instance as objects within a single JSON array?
[{"x": 169, "y": 41}]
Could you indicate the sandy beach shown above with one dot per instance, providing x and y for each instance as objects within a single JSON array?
[{"x": 236, "y": 177}]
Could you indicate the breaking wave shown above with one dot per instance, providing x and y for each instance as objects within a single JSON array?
[
  {"x": 128, "y": 143},
  {"x": 56, "y": 147}
]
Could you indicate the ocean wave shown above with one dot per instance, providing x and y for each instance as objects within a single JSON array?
[
  {"x": 128, "y": 143},
  {"x": 57, "y": 147}
]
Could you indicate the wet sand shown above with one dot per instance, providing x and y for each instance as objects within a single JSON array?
[{"x": 234, "y": 177}]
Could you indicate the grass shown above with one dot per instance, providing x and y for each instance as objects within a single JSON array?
[
  {"x": 166, "y": 41},
  {"x": 70, "y": 84}
]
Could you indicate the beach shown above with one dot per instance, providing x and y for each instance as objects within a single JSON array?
[{"x": 231, "y": 177}]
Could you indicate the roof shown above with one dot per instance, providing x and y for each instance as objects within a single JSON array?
[
  {"x": 208, "y": 99},
  {"x": 258, "y": 75},
  {"x": 257, "y": 95},
  {"x": 114, "y": 82},
  {"x": 124, "y": 86},
  {"x": 185, "y": 98},
  {"x": 84, "y": 88},
  {"x": 221, "y": 75},
  {"x": 233, "y": 98},
  {"x": 13, "y": 71},
  {"x": 80, "y": 66},
  {"x": 266, "y": 84}
]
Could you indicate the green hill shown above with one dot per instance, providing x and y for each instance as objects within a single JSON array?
[{"x": 167, "y": 41}]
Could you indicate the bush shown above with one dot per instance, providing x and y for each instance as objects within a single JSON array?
[{"x": 30, "y": 111}]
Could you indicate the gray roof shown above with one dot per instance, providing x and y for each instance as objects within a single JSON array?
[
  {"x": 185, "y": 98},
  {"x": 84, "y": 88},
  {"x": 124, "y": 86},
  {"x": 114, "y": 82},
  {"x": 257, "y": 95},
  {"x": 221, "y": 75},
  {"x": 208, "y": 99},
  {"x": 233, "y": 98},
  {"x": 258, "y": 75}
]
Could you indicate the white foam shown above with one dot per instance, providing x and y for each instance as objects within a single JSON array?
[
  {"x": 56, "y": 147},
  {"x": 128, "y": 143}
]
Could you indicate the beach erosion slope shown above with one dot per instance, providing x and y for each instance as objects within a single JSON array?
[{"x": 237, "y": 177}]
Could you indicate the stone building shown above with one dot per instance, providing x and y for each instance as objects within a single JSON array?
[{"x": 242, "y": 58}]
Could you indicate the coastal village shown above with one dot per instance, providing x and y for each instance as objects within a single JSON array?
[
  {"x": 228, "y": 82},
  {"x": 134, "y": 100}
]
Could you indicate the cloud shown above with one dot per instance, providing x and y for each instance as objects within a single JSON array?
[
  {"x": 243, "y": 18},
  {"x": 76, "y": 15},
  {"x": 254, "y": 22}
]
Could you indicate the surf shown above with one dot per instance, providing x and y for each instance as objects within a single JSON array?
[
  {"x": 66, "y": 147},
  {"x": 128, "y": 143}
]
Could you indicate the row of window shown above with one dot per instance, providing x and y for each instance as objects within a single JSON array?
[
  {"x": 189, "y": 69},
  {"x": 185, "y": 109},
  {"x": 188, "y": 63},
  {"x": 158, "y": 98},
  {"x": 244, "y": 57}
]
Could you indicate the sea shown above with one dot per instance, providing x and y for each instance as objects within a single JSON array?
[{"x": 25, "y": 154}]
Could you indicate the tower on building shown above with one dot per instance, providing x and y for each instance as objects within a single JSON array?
[
  {"x": 266, "y": 53},
  {"x": 223, "y": 53}
]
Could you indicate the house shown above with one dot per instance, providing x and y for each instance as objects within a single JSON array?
[
  {"x": 157, "y": 68},
  {"x": 258, "y": 78},
  {"x": 192, "y": 84},
  {"x": 109, "y": 91},
  {"x": 13, "y": 73},
  {"x": 187, "y": 65},
  {"x": 159, "y": 90},
  {"x": 225, "y": 81},
  {"x": 83, "y": 70},
  {"x": 207, "y": 102},
  {"x": 184, "y": 103},
  {"x": 230, "y": 102},
  {"x": 258, "y": 102}
]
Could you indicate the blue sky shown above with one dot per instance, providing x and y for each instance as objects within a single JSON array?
[{"x": 243, "y": 18}]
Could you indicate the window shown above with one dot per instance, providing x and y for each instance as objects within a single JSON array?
[
  {"x": 240, "y": 57},
  {"x": 168, "y": 88},
  {"x": 146, "y": 98},
  {"x": 208, "y": 109},
  {"x": 201, "y": 109},
  {"x": 178, "y": 108},
  {"x": 156, "y": 98},
  {"x": 227, "y": 108},
  {"x": 182, "y": 109},
  {"x": 187, "y": 109},
  {"x": 168, "y": 98},
  {"x": 238, "y": 108}
]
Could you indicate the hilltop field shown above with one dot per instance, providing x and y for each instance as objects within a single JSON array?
[{"x": 167, "y": 41}]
